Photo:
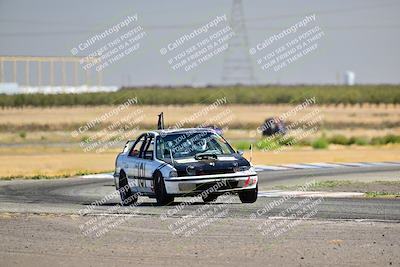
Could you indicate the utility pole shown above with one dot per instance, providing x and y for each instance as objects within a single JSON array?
[{"x": 237, "y": 66}]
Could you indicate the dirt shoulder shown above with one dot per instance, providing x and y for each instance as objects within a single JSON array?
[
  {"x": 372, "y": 189},
  {"x": 33, "y": 240},
  {"x": 62, "y": 161},
  {"x": 333, "y": 154}
]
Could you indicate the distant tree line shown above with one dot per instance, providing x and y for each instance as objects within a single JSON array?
[{"x": 376, "y": 94}]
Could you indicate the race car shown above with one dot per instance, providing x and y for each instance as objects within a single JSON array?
[{"x": 164, "y": 164}]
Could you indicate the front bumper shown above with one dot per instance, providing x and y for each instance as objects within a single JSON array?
[{"x": 192, "y": 185}]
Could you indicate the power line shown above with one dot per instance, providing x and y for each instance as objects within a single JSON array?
[
  {"x": 344, "y": 28},
  {"x": 192, "y": 25},
  {"x": 337, "y": 28},
  {"x": 331, "y": 11}
]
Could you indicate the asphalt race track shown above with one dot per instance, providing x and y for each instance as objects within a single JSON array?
[
  {"x": 74, "y": 194},
  {"x": 54, "y": 222}
]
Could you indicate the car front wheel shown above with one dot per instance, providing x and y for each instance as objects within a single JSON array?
[
  {"x": 249, "y": 196},
  {"x": 161, "y": 193},
  {"x": 125, "y": 192}
]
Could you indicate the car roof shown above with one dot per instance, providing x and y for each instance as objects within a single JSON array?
[{"x": 182, "y": 130}]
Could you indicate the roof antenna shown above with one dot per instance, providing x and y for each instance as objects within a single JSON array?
[{"x": 160, "y": 124}]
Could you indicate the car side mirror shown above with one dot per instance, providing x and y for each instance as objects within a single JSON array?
[{"x": 240, "y": 152}]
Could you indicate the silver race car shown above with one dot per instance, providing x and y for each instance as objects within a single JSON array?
[{"x": 164, "y": 164}]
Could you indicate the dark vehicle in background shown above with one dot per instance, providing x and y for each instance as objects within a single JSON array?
[{"x": 273, "y": 126}]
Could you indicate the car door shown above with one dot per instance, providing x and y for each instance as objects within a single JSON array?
[
  {"x": 132, "y": 163},
  {"x": 146, "y": 165}
]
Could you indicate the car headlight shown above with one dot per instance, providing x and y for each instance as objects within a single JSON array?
[
  {"x": 241, "y": 168},
  {"x": 173, "y": 173},
  {"x": 190, "y": 170}
]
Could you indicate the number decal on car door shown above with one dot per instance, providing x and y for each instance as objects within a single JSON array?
[{"x": 141, "y": 174}]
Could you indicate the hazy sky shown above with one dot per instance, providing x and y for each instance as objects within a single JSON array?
[{"x": 359, "y": 35}]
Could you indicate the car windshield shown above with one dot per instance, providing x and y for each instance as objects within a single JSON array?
[{"x": 190, "y": 144}]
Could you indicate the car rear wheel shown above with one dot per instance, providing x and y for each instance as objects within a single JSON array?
[
  {"x": 209, "y": 198},
  {"x": 127, "y": 197},
  {"x": 249, "y": 196},
  {"x": 161, "y": 193}
]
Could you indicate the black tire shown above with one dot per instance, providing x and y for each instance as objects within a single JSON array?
[
  {"x": 210, "y": 198},
  {"x": 161, "y": 193},
  {"x": 125, "y": 192},
  {"x": 249, "y": 196}
]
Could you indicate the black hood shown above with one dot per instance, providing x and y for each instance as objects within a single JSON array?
[{"x": 210, "y": 166}]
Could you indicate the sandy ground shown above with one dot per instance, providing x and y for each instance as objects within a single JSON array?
[
  {"x": 41, "y": 225},
  {"x": 389, "y": 187},
  {"x": 28, "y": 161},
  {"x": 333, "y": 154},
  {"x": 247, "y": 114},
  {"x": 48, "y": 240}
]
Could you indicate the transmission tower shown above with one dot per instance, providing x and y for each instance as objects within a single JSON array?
[{"x": 237, "y": 66}]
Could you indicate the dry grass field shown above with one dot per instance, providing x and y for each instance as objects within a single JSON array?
[
  {"x": 55, "y": 161},
  {"x": 334, "y": 154},
  {"x": 244, "y": 115},
  {"x": 54, "y": 125},
  {"x": 38, "y": 141}
]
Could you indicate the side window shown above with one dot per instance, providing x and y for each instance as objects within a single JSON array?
[
  {"x": 136, "y": 148},
  {"x": 148, "y": 148},
  {"x": 159, "y": 147}
]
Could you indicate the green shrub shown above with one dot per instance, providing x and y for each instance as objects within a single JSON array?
[
  {"x": 85, "y": 139},
  {"x": 339, "y": 139},
  {"x": 304, "y": 142},
  {"x": 361, "y": 141},
  {"x": 387, "y": 139},
  {"x": 22, "y": 135},
  {"x": 324, "y": 94},
  {"x": 391, "y": 139},
  {"x": 320, "y": 143},
  {"x": 241, "y": 145},
  {"x": 285, "y": 140},
  {"x": 352, "y": 140},
  {"x": 268, "y": 144},
  {"x": 377, "y": 140}
]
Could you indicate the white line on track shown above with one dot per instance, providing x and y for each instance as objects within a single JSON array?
[
  {"x": 301, "y": 166},
  {"x": 283, "y": 167},
  {"x": 281, "y": 193},
  {"x": 325, "y": 165},
  {"x": 270, "y": 168}
]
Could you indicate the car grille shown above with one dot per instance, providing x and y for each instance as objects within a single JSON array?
[
  {"x": 230, "y": 184},
  {"x": 207, "y": 172}
]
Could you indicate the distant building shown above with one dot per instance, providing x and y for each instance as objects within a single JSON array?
[
  {"x": 349, "y": 78},
  {"x": 50, "y": 75}
]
